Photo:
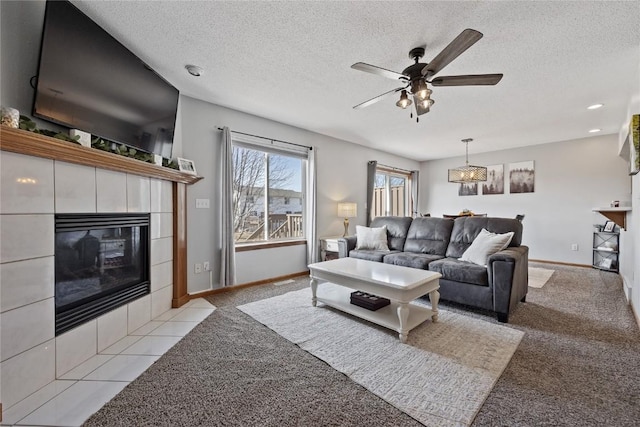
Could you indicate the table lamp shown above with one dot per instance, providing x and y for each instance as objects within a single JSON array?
[{"x": 347, "y": 210}]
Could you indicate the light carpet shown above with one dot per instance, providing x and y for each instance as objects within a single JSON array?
[
  {"x": 538, "y": 277},
  {"x": 441, "y": 377}
]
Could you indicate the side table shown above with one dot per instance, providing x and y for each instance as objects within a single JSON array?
[{"x": 329, "y": 248}]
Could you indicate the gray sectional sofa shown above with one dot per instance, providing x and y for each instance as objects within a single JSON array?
[{"x": 436, "y": 244}]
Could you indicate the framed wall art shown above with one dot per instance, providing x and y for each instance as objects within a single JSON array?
[
  {"x": 495, "y": 180},
  {"x": 634, "y": 144},
  {"x": 186, "y": 166},
  {"x": 521, "y": 177},
  {"x": 468, "y": 189}
]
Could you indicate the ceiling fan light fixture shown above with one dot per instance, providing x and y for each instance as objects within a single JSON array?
[
  {"x": 420, "y": 89},
  {"x": 427, "y": 103},
  {"x": 404, "y": 101},
  {"x": 467, "y": 173}
]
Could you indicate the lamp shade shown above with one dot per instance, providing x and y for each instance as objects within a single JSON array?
[
  {"x": 347, "y": 210},
  {"x": 468, "y": 173}
]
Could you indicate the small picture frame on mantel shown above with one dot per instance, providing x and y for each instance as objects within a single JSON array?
[
  {"x": 609, "y": 226},
  {"x": 186, "y": 166}
]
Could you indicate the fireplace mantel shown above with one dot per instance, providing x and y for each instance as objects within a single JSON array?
[{"x": 32, "y": 144}]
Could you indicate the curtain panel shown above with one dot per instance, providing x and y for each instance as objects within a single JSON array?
[
  {"x": 228, "y": 252},
  {"x": 371, "y": 183}
]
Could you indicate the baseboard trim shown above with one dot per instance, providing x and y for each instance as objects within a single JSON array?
[
  {"x": 635, "y": 314},
  {"x": 571, "y": 264},
  {"x": 247, "y": 285}
]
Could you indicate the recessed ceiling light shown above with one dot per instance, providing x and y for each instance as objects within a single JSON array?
[
  {"x": 594, "y": 130},
  {"x": 194, "y": 70},
  {"x": 595, "y": 106}
]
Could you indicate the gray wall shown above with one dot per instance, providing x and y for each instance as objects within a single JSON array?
[
  {"x": 571, "y": 178},
  {"x": 342, "y": 175}
]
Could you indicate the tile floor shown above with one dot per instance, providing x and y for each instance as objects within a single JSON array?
[{"x": 72, "y": 399}]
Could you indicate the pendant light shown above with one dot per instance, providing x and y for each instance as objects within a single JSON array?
[{"x": 468, "y": 173}]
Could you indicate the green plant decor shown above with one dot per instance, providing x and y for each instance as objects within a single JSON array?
[
  {"x": 27, "y": 124},
  {"x": 635, "y": 138}
]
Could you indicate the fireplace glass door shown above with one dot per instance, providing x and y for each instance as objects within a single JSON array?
[{"x": 101, "y": 263}]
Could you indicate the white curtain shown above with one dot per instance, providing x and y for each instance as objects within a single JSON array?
[
  {"x": 228, "y": 257},
  {"x": 310, "y": 206}
]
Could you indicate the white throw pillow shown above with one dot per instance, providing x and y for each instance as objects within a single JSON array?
[
  {"x": 371, "y": 238},
  {"x": 485, "y": 245}
]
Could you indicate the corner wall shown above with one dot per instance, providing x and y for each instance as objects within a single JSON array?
[{"x": 571, "y": 178}]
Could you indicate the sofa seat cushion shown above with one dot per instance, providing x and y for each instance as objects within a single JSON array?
[
  {"x": 461, "y": 271},
  {"x": 370, "y": 255},
  {"x": 409, "y": 259}
]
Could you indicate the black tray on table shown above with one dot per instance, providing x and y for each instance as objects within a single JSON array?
[{"x": 368, "y": 301}]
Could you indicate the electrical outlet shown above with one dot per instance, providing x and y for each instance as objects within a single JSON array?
[
  {"x": 574, "y": 246},
  {"x": 198, "y": 268},
  {"x": 206, "y": 266}
]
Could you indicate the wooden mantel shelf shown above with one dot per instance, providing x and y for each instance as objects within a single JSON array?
[
  {"x": 33, "y": 144},
  {"x": 617, "y": 215}
]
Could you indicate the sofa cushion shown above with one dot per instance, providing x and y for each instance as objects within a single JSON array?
[
  {"x": 461, "y": 271},
  {"x": 397, "y": 227},
  {"x": 371, "y": 238},
  {"x": 484, "y": 245},
  {"x": 429, "y": 236},
  {"x": 409, "y": 259},
  {"x": 370, "y": 255},
  {"x": 465, "y": 230}
]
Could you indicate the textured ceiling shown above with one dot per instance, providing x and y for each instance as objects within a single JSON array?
[{"x": 290, "y": 62}]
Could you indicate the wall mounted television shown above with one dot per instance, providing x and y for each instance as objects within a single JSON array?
[{"x": 88, "y": 80}]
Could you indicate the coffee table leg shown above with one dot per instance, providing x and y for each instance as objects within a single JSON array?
[
  {"x": 314, "y": 288},
  {"x": 403, "y": 316},
  {"x": 434, "y": 297}
]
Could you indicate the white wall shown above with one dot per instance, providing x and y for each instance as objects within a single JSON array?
[
  {"x": 571, "y": 178},
  {"x": 342, "y": 176}
]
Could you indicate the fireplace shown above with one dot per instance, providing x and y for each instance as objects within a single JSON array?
[{"x": 101, "y": 263}]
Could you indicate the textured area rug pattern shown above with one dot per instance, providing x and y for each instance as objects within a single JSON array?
[
  {"x": 440, "y": 377},
  {"x": 538, "y": 277}
]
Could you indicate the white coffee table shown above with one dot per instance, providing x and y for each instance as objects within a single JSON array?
[{"x": 399, "y": 284}]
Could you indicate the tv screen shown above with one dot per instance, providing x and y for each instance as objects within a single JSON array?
[{"x": 87, "y": 80}]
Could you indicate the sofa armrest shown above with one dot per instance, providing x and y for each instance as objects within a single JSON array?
[
  {"x": 345, "y": 245},
  {"x": 509, "y": 276}
]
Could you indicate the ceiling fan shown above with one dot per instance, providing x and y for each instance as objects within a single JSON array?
[{"x": 416, "y": 78}]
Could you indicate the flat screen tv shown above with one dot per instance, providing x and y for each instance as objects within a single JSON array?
[{"x": 87, "y": 80}]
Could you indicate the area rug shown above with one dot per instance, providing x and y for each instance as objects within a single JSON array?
[
  {"x": 440, "y": 377},
  {"x": 538, "y": 277}
]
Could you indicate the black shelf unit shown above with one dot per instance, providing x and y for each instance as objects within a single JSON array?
[{"x": 606, "y": 245}]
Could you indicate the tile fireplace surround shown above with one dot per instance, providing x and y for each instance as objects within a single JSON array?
[{"x": 33, "y": 189}]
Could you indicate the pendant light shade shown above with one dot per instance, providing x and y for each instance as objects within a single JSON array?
[{"x": 468, "y": 173}]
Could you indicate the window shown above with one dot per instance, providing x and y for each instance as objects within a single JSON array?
[
  {"x": 391, "y": 193},
  {"x": 265, "y": 184}
]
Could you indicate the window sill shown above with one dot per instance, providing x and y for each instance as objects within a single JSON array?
[{"x": 268, "y": 245}]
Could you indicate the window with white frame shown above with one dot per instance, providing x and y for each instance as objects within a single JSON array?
[
  {"x": 268, "y": 191},
  {"x": 391, "y": 193}
]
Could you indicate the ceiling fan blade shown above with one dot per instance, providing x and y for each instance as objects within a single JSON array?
[
  {"x": 464, "y": 41},
  {"x": 378, "y": 98},
  {"x": 469, "y": 80},
  {"x": 361, "y": 66},
  {"x": 420, "y": 109}
]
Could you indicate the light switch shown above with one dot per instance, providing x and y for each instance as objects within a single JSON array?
[{"x": 202, "y": 203}]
